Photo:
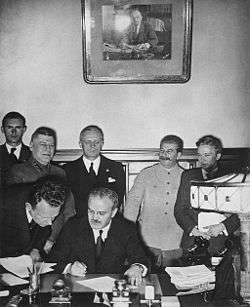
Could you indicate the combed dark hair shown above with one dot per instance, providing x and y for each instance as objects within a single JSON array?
[
  {"x": 212, "y": 141},
  {"x": 105, "y": 192},
  {"x": 92, "y": 128},
  {"x": 44, "y": 131},
  {"x": 13, "y": 115},
  {"x": 171, "y": 138},
  {"x": 51, "y": 189}
]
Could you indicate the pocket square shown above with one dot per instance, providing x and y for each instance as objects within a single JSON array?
[{"x": 110, "y": 179}]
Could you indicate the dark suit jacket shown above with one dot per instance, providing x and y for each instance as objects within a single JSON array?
[
  {"x": 76, "y": 243},
  {"x": 16, "y": 236},
  {"x": 110, "y": 175},
  {"x": 187, "y": 217},
  {"x": 146, "y": 34},
  {"x": 6, "y": 162},
  {"x": 31, "y": 171}
]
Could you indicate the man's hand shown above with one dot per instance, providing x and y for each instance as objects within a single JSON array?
[
  {"x": 215, "y": 230},
  {"x": 77, "y": 269},
  {"x": 142, "y": 47},
  {"x": 197, "y": 233},
  {"x": 48, "y": 245},
  {"x": 134, "y": 274},
  {"x": 35, "y": 255}
]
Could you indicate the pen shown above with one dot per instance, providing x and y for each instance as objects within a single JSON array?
[
  {"x": 41, "y": 268},
  {"x": 29, "y": 271}
]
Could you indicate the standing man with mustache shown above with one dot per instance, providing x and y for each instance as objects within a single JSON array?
[{"x": 151, "y": 201}]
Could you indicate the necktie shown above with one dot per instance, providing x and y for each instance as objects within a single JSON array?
[
  {"x": 32, "y": 227},
  {"x": 99, "y": 245},
  {"x": 12, "y": 155},
  {"x": 92, "y": 174}
]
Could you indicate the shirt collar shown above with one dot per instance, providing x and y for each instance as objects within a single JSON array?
[
  {"x": 17, "y": 151},
  {"x": 29, "y": 217},
  {"x": 104, "y": 234},
  {"x": 37, "y": 164},
  {"x": 96, "y": 163},
  {"x": 169, "y": 170},
  {"x": 211, "y": 174}
]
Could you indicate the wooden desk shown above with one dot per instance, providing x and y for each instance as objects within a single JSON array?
[{"x": 83, "y": 296}]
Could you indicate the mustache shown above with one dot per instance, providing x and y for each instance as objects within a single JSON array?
[
  {"x": 164, "y": 158},
  {"x": 94, "y": 221}
]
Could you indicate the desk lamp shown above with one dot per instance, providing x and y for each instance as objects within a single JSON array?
[{"x": 229, "y": 194}]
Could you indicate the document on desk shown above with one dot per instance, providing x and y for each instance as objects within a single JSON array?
[
  {"x": 11, "y": 280},
  {"x": 19, "y": 265},
  {"x": 190, "y": 276},
  {"x": 100, "y": 284}
]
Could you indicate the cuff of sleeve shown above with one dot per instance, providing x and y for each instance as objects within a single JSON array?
[
  {"x": 66, "y": 269},
  {"x": 192, "y": 231},
  {"x": 224, "y": 229},
  {"x": 143, "y": 268}
]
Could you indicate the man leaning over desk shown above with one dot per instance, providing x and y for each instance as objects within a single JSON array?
[
  {"x": 103, "y": 243},
  {"x": 29, "y": 210},
  {"x": 43, "y": 146}
]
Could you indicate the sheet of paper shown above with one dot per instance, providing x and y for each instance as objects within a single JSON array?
[
  {"x": 200, "y": 289},
  {"x": 209, "y": 218},
  {"x": 170, "y": 301},
  {"x": 19, "y": 265},
  {"x": 11, "y": 280},
  {"x": 4, "y": 293},
  {"x": 100, "y": 284}
]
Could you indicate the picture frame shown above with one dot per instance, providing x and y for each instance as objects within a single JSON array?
[{"x": 141, "y": 41}]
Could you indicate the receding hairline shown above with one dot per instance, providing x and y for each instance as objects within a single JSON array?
[{"x": 90, "y": 129}]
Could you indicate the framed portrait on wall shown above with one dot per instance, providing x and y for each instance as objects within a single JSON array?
[{"x": 141, "y": 41}]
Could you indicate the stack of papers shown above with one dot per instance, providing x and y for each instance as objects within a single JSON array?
[
  {"x": 19, "y": 265},
  {"x": 191, "y": 276}
]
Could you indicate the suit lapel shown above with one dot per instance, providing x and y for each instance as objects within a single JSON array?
[
  {"x": 24, "y": 153},
  {"x": 81, "y": 171},
  {"x": 103, "y": 170}
]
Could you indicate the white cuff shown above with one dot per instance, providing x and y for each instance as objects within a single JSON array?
[{"x": 143, "y": 268}]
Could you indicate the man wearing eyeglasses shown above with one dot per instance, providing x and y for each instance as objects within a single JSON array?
[
  {"x": 43, "y": 145},
  {"x": 151, "y": 201},
  {"x": 101, "y": 243},
  {"x": 93, "y": 170}
]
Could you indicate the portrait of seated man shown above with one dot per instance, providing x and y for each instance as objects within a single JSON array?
[
  {"x": 103, "y": 242},
  {"x": 28, "y": 212},
  {"x": 140, "y": 34}
]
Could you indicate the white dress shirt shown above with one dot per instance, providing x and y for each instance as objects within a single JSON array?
[
  {"x": 104, "y": 234},
  {"x": 96, "y": 164},
  {"x": 16, "y": 152}
]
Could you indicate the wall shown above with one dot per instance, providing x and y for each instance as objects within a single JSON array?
[{"x": 41, "y": 76}]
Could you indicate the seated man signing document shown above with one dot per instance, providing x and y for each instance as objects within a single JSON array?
[{"x": 101, "y": 244}]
